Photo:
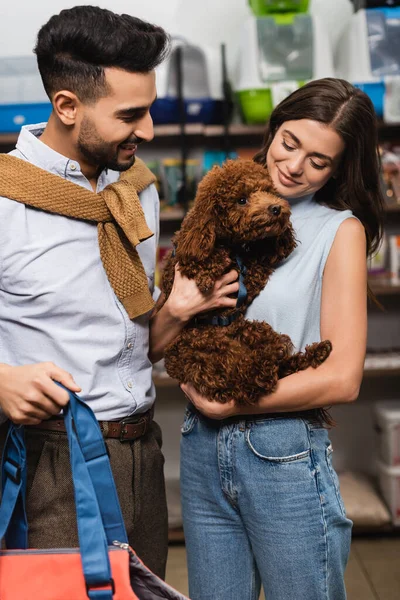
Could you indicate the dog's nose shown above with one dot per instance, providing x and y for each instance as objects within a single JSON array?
[{"x": 275, "y": 210}]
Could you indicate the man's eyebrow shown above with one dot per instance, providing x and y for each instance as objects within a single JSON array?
[
  {"x": 132, "y": 110},
  {"x": 317, "y": 154}
]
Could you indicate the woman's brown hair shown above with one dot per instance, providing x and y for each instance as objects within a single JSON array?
[
  {"x": 350, "y": 112},
  {"x": 356, "y": 184}
]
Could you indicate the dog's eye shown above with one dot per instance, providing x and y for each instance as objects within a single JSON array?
[{"x": 242, "y": 201}]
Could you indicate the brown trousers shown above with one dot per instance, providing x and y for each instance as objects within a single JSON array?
[{"x": 137, "y": 467}]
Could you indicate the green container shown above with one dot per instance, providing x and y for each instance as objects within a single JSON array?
[
  {"x": 256, "y": 105},
  {"x": 265, "y": 7}
]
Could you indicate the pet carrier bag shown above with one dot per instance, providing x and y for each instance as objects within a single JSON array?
[{"x": 104, "y": 567}]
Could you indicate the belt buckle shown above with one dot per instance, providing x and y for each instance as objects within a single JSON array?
[{"x": 142, "y": 422}]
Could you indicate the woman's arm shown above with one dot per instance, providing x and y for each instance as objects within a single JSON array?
[
  {"x": 343, "y": 322},
  {"x": 184, "y": 302}
]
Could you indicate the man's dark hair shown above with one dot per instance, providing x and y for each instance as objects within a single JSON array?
[{"x": 74, "y": 47}]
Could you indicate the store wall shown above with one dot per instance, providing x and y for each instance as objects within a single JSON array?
[
  {"x": 199, "y": 21},
  {"x": 208, "y": 22},
  {"x": 21, "y": 19}
]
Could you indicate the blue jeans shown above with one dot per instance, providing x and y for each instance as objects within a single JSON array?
[{"x": 261, "y": 504}]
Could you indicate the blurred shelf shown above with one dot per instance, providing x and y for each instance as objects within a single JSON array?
[
  {"x": 176, "y": 536},
  {"x": 382, "y": 364},
  {"x": 384, "y": 286},
  {"x": 175, "y": 214},
  {"x": 167, "y": 382},
  {"x": 164, "y": 381},
  {"x": 8, "y": 138},
  {"x": 388, "y": 372},
  {"x": 198, "y": 129},
  {"x": 392, "y": 208}
]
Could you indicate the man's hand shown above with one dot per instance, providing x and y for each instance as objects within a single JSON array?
[
  {"x": 28, "y": 394},
  {"x": 210, "y": 408},
  {"x": 185, "y": 300}
]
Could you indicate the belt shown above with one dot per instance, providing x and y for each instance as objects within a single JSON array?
[{"x": 128, "y": 429}]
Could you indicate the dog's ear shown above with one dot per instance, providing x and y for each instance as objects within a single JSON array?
[
  {"x": 196, "y": 239},
  {"x": 284, "y": 245}
]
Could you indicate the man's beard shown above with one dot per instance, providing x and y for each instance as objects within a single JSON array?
[{"x": 98, "y": 152}]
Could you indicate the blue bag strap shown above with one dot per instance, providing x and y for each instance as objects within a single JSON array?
[
  {"x": 95, "y": 455},
  {"x": 92, "y": 539},
  {"x": 99, "y": 517},
  {"x": 13, "y": 523}
]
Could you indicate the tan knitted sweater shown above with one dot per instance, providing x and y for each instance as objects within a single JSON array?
[{"x": 121, "y": 224}]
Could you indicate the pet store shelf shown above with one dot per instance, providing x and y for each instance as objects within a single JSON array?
[
  {"x": 208, "y": 130},
  {"x": 164, "y": 380},
  {"x": 198, "y": 129},
  {"x": 393, "y": 208},
  {"x": 381, "y": 366},
  {"x": 384, "y": 287},
  {"x": 175, "y": 214},
  {"x": 176, "y": 536},
  {"x": 7, "y": 139},
  {"x": 389, "y": 372},
  {"x": 191, "y": 129}
]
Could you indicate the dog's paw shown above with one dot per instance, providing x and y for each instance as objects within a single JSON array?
[{"x": 318, "y": 352}]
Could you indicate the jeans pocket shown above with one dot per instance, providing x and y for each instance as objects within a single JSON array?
[
  {"x": 189, "y": 421},
  {"x": 334, "y": 477},
  {"x": 279, "y": 440}
]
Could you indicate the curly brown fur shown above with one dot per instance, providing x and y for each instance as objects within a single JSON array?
[{"x": 236, "y": 212}]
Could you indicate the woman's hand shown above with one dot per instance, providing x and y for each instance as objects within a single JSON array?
[
  {"x": 185, "y": 300},
  {"x": 209, "y": 408}
]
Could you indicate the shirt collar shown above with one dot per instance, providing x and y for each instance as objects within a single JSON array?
[{"x": 44, "y": 157}]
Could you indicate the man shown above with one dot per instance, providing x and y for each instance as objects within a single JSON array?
[
  {"x": 77, "y": 274},
  {"x": 63, "y": 316}
]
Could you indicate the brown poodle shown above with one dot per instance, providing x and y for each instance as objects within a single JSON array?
[{"x": 238, "y": 221}]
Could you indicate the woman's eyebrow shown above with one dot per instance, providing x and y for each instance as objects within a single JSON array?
[{"x": 317, "y": 154}]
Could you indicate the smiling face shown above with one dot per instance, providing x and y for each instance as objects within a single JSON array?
[
  {"x": 303, "y": 156},
  {"x": 110, "y": 129}
]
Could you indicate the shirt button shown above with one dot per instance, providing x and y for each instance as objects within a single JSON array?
[
  {"x": 129, "y": 384},
  {"x": 129, "y": 346},
  {"x": 72, "y": 167}
]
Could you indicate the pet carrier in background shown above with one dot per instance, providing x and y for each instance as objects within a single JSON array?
[
  {"x": 379, "y": 3},
  {"x": 279, "y": 52},
  {"x": 22, "y": 98},
  {"x": 201, "y": 85},
  {"x": 265, "y": 7},
  {"x": 369, "y": 57}
]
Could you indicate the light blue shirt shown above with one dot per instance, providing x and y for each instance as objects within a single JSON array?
[
  {"x": 291, "y": 300},
  {"x": 56, "y": 303}
]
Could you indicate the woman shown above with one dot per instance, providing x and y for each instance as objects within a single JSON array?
[{"x": 260, "y": 498}]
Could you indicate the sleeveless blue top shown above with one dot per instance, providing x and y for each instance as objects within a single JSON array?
[{"x": 291, "y": 300}]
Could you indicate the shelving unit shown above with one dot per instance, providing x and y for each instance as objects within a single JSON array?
[
  {"x": 171, "y": 408},
  {"x": 384, "y": 287},
  {"x": 235, "y": 129},
  {"x": 164, "y": 381}
]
